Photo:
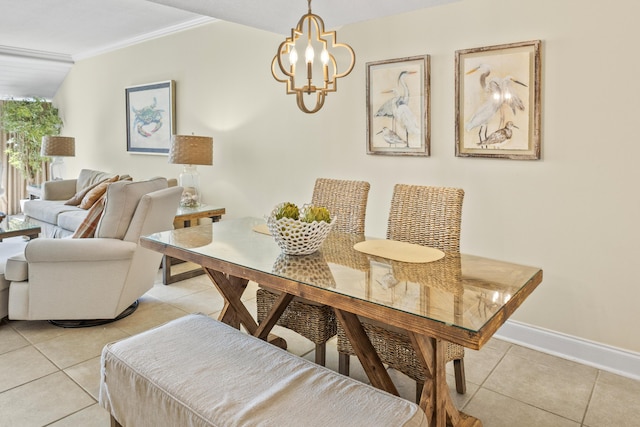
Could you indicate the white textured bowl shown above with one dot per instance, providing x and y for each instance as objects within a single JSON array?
[{"x": 296, "y": 237}]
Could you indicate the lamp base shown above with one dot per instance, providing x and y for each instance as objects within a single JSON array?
[
  {"x": 56, "y": 169},
  {"x": 189, "y": 181}
]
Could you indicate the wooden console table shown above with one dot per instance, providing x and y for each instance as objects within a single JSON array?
[{"x": 183, "y": 219}]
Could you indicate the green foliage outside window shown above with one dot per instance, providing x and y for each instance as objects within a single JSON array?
[{"x": 26, "y": 122}]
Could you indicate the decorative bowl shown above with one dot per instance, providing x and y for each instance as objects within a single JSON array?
[
  {"x": 311, "y": 269},
  {"x": 297, "y": 237}
]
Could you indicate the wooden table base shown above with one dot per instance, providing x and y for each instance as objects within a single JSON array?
[
  {"x": 168, "y": 277},
  {"x": 436, "y": 397},
  {"x": 234, "y": 313}
]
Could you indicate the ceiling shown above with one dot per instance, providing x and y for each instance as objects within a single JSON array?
[{"x": 41, "y": 39}]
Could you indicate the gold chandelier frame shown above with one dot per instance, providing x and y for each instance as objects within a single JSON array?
[{"x": 289, "y": 75}]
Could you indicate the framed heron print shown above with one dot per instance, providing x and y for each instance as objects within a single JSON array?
[
  {"x": 498, "y": 101},
  {"x": 398, "y": 106},
  {"x": 150, "y": 117}
]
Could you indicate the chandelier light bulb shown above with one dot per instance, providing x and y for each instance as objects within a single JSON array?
[
  {"x": 293, "y": 56},
  {"x": 324, "y": 56},
  {"x": 303, "y": 82},
  {"x": 309, "y": 54}
]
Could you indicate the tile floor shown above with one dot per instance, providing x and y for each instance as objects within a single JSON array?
[{"x": 49, "y": 376}]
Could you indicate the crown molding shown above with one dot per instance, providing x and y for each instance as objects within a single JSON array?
[
  {"x": 20, "y": 53},
  {"x": 202, "y": 20}
]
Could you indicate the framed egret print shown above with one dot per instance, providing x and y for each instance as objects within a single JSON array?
[
  {"x": 398, "y": 106},
  {"x": 498, "y": 101},
  {"x": 150, "y": 117}
]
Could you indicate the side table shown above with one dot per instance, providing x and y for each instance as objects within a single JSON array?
[
  {"x": 34, "y": 191},
  {"x": 184, "y": 217},
  {"x": 15, "y": 226}
]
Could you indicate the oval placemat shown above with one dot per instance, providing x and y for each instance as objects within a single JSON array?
[
  {"x": 399, "y": 251},
  {"x": 262, "y": 229}
]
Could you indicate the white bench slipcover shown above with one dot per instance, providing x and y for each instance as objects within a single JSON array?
[{"x": 196, "y": 371}]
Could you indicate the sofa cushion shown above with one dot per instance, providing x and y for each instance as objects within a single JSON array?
[
  {"x": 87, "y": 227},
  {"x": 77, "y": 198},
  {"x": 47, "y": 210},
  {"x": 9, "y": 248},
  {"x": 88, "y": 177},
  {"x": 16, "y": 268},
  {"x": 96, "y": 192},
  {"x": 122, "y": 198},
  {"x": 72, "y": 220}
]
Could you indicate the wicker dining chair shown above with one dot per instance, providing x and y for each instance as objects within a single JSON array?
[
  {"x": 428, "y": 216},
  {"x": 347, "y": 200}
]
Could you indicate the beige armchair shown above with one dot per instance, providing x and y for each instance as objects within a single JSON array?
[{"x": 99, "y": 277}]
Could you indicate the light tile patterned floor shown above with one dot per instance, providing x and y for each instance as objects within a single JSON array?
[{"x": 49, "y": 376}]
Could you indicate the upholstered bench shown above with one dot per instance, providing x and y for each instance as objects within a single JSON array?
[{"x": 196, "y": 371}]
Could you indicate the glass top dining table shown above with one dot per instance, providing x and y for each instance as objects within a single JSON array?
[
  {"x": 459, "y": 298},
  {"x": 461, "y": 291}
]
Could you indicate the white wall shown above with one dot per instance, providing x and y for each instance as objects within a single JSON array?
[{"x": 574, "y": 212}]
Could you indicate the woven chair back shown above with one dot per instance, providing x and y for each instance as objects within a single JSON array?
[
  {"x": 345, "y": 199},
  {"x": 428, "y": 216}
]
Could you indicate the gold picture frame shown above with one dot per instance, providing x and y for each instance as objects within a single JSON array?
[
  {"x": 498, "y": 101},
  {"x": 398, "y": 106}
]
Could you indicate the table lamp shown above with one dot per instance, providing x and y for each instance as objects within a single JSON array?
[
  {"x": 57, "y": 147},
  {"x": 190, "y": 150}
]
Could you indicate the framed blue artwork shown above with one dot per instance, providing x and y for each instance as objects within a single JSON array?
[{"x": 150, "y": 117}]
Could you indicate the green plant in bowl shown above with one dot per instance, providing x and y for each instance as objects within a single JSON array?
[
  {"x": 316, "y": 213},
  {"x": 299, "y": 231},
  {"x": 288, "y": 210}
]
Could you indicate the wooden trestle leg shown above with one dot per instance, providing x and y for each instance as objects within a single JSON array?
[{"x": 234, "y": 312}]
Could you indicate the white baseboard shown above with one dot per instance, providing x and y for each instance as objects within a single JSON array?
[{"x": 601, "y": 356}]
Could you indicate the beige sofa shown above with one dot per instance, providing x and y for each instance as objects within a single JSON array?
[{"x": 50, "y": 212}]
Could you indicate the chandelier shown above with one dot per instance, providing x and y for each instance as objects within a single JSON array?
[{"x": 314, "y": 77}]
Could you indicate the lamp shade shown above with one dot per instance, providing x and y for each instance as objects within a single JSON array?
[
  {"x": 58, "y": 146},
  {"x": 191, "y": 150}
]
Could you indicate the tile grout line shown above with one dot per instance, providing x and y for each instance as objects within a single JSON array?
[
  {"x": 481, "y": 385},
  {"x": 500, "y": 360},
  {"x": 593, "y": 390},
  {"x": 94, "y": 401},
  {"x": 530, "y": 404}
]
